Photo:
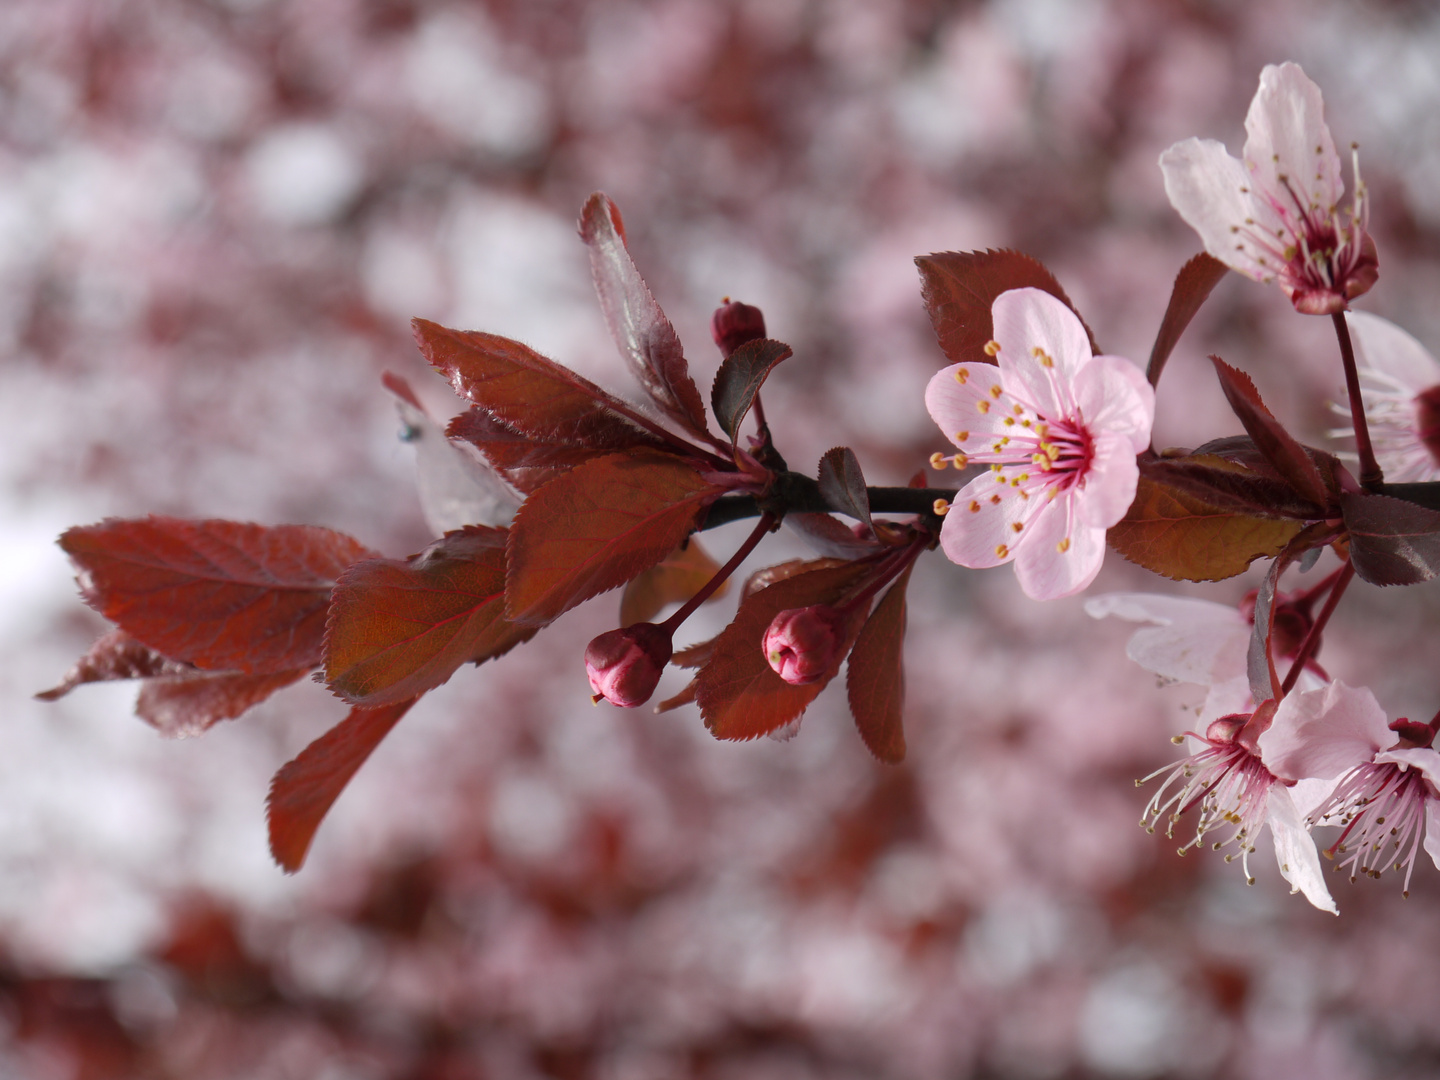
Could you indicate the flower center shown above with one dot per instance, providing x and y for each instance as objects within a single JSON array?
[{"x": 1382, "y": 811}]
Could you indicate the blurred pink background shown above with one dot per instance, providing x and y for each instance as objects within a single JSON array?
[{"x": 216, "y": 218}]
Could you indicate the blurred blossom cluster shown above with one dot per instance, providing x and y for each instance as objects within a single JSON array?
[{"x": 217, "y": 218}]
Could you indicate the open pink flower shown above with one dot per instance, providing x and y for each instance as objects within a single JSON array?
[
  {"x": 1059, "y": 428},
  {"x": 1275, "y": 216},
  {"x": 1384, "y": 796},
  {"x": 1400, "y": 386}
]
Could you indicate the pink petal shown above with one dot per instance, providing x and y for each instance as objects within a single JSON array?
[
  {"x": 1432, "y": 830},
  {"x": 956, "y": 407},
  {"x": 1190, "y": 653},
  {"x": 1295, "y": 850},
  {"x": 1288, "y": 137},
  {"x": 1323, "y": 733},
  {"x": 1226, "y": 697},
  {"x": 1114, "y": 397},
  {"x": 1208, "y": 188},
  {"x": 1110, "y": 482},
  {"x": 977, "y": 525},
  {"x": 1418, "y": 757},
  {"x": 1027, "y": 319},
  {"x": 1047, "y": 573},
  {"x": 1382, "y": 346},
  {"x": 1166, "y": 610}
]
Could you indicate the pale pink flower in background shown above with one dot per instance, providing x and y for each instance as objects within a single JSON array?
[
  {"x": 1400, "y": 386},
  {"x": 1059, "y": 428},
  {"x": 1384, "y": 797},
  {"x": 1274, "y": 216}
]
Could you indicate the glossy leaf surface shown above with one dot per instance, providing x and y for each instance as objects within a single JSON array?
[
  {"x": 1193, "y": 285},
  {"x": 1392, "y": 542},
  {"x": 739, "y": 379},
  {"x": 875, "y": 677}
]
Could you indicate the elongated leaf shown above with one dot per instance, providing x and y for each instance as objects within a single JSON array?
[
  {"x": 1392, "y": 542},
  {"x": 1226, "y": 485},
  {"x": 875, "y": 677},
  {"x": 115, "y": 655},
  {"x": 399, "y": 627},
  {"x": 596, "y": 527},
  {"x": 1260, "y": 659},
  {"x": 1279, "y": 447},
  {"x": 678, "y": 577},
  {"x": 959, "y": 287},
  {"x": 304, "y": 790},
  {"x": 843, "y": 484},
  {"x": 644, "y": 335},
  {"x": 1171, "y": 532},
  {"x": 1192, "y": 288},
  {"x": 221, "y": 595},
  {"x": 179, "y": 706},
  {"x": 528, "y": 392},
  {"x": 740, "y": 696},
  {"x": 739, "y": 379}
]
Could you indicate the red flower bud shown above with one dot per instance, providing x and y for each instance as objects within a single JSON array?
[
  {"x": 803, "y": 644},
  {"x": 624, "y": 666},
  {"x": 734, "y": 323},
  {"x": 1291, "y": 622}
]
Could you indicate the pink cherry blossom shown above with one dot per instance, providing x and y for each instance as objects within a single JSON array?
[
  {"x": 1059, "y": 428},
  {"x": 1400, "y": 386},
  {"x": 1274, "y": 216},
  {"x": 1385, "y": 796}
]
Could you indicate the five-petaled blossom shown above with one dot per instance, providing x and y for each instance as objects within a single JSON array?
[
  {"x": 1059, "y": 428},
  {"x": 1384, "y": 777},
  {"x": 1275, "y": 217},
  {"x": 1400, "y": 387}
]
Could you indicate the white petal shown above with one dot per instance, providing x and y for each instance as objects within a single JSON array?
[
  {"x": 982, "y": 521},
  {"x": 1226, "y": 698},
  {"x": 1324, "y": 732},
  {"x": 1027, "y": 319},
  {"x": 1190, "y": 653},
  {"x": 1114, "y": 397},
  {"x": 455, "y": 489},
  {"x": 1295, "y": 850},
  {"x": 967, "y": 408},
  {"x": 1208, "y": 188},
  {"x": 1046, "y": 572},
  {"x": 1382, "y": 346},
  {"x": 1164, "y": 610},
  {"x": 1288, "y": 137},
  {"x": 1110, "y": 482}
]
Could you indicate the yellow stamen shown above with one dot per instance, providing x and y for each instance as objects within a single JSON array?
[
  {"x": 1001, "y": 550},
  {"x": 961, "y": 374},
  {"x": 995, "y": 500},
  {"x": 1009, "y": 421},
  {"x": 983, "y": 405},
  {"x": 941, "y": 507},
  {"x": 938, "y": 460},
  {"x": 995, "y": 392},
  {"x": 974, "y": 507},
  {"x": 960, "y": 461},
  {"x": 1017, "y": 526},
  {"x": 992, "y": 347},
  {"x": 1063, "y": 546}
]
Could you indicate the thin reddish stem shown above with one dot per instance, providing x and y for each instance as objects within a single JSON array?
[
  {"x": 764, "y": 525},
  {"x": 1312, "y": 638},
  {"x": 891, "y": 566},
  {"x": 1371, "y": 476},
  {"x": 1309, "y": 595}
]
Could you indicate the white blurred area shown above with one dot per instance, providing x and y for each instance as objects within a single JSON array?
[{"x": 216, "y": 219}]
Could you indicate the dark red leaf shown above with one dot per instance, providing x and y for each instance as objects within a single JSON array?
[
  {"x": 843, "y": 484},
  {"x": 596, "y": 527},
  {"x": 646, "y": 338},
  {"x": 181, "y": 705},
  {"x": 529, "y": 462},
  {"x": 1192, "y": 287},
  {"x": 1392, "y": 542},
  {"x": 875, "y": 678},
  {"x": 740, "y": 695},
  {"x": 959, "y": 287},
  {"x": 304, "y": 790},
  {"x": 221, "y": 595},
  {"x": 678, "y": 577},
  {"x": 116, "y": 655},
  {"x": 739, "y": 379},
  {"x": 1280, "y": 448},
  {"x": 399, "y": 627},
  {"x": 1228, "y": 485}
]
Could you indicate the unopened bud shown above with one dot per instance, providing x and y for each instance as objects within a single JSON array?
[
  {"x": 1413, "y": 733},
  {"x": 803, "y": 644},
  {"x": 624, "y": 666},
  {"x": 734, "y": 323},
  {"x": 1225, "y": 729}
]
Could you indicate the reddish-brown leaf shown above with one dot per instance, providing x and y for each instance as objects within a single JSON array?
[
  {"x": 182, "y": 705},
  {"x": 526, "y": 461},
  {"x": 1192, "y": 288},
  {"x": 678, "y": 577},
  {"x": 1392, "y": 542},
  {"x": 739, "y": 379},
  {"x": 528, "y": 392},
  {"x": 222, "y": 595},
  {"x": 843, "y": 484},
  {"x": 116, "y": 655},
  {"x": 875, "y": 677},
  {"x": 304, "y": 790},
  {"x": 596, "y": 527},
  {"x": 646, "y": 338},
  {"x": 1280, "y": 448},
  {"x": 1171, "y": 532},
  {"x": 959, "y": 287},
  {"x": 399, "y": 627},
  {"x": 740, "y": 695}
]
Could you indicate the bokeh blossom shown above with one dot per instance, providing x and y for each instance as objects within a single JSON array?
[
  {"x": 1059, "y": 428},
  {"x": 1274, "y": 215},
  {"x": 1400, "y": 387}
]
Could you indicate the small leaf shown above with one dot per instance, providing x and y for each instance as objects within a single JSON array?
[
  {"x": 678, "y": 577},
  {"x": 116, "y": 655},
  {"x": 1392, "y": 542},
  {"x": 179, "y": 706},
  {"x": 740, "y": 695},
  {"x": 959, "y": 288},
  {"x": 596, "y": 527},
  {"x": 222, "y": 595},
  {"x": 875, "y": 678},
  {"x": 304, "y": 790},
  {"x": 644, "y": 335},
  {"x": 400, "y": 627},
  {"x": 1280, "y": 448},
  {"x": 1173, "y": 533},
  {"x": 843, "y": 484},
  {"x": 830, "y": 536},
  {"x": 1192, "y": 288},
  {"x": 739, "y": 379}
]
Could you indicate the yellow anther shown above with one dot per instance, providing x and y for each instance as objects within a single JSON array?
[
  {"x": 1052, "y": 451},
  {"x": 941, "y": 507},
  {"x": 995, "y": 468},
  {"x": 992, "y": 347},
  {"x": 938, "y": 460},
  {"x": 1177, "y": 740},
  {"x": 1001, "y": 550},
  {"x": 1018, "y": 409},
  {"x": 960, "y": 461},
  {"x": 995, "y": 392},
  {"x": 961, "y": 374},
  {"x": 983, "y": 405},
  {"x": 961, "y": 436},
  {"x": 1063, "y": 546},
  {"x": 974, "y": 507},
  {"x": 1009, "y": 421},
  {"x": 995, "y": 500},
  {"x": 1026, "y": 423},
  {"x": 1023, "y": 477},
  {"x": 1017, "y": 526}
]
